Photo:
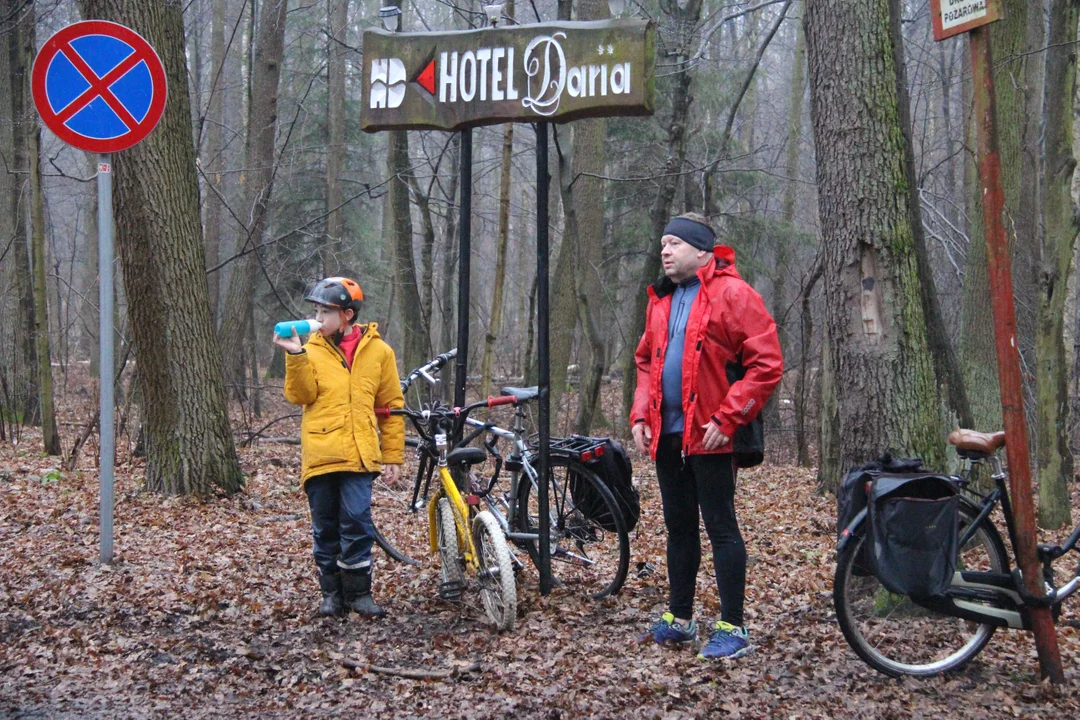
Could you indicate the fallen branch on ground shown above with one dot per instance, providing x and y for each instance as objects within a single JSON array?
[{"x": 414, "y": 673}]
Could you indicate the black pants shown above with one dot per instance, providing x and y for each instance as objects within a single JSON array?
[{"x": 706, "y": 482}]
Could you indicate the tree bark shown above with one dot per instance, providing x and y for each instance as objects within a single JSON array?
[
  {"x": 189, "y": 439},
  {"x": 502, "y": 241},
  {"x": 337, "y": 21},
  {"x": 215, "y": 121},
  {"x": 414, "y": 327},
  {"x": 260, "y": 165},
  {"x": 1055, "y": 459},
  {"x": 50, "y": 435},
  {"x": 950, "y": 377},
  {"x": 21, "y": 55},
  {"x": 874, "y": 315}
]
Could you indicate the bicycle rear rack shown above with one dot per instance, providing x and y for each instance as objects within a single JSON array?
[{"x": 579, "y": 447}]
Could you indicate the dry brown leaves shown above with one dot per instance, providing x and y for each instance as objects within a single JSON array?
[{"x": 208, "y": 612}]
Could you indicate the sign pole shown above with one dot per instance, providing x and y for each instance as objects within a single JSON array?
[
  {"x": 105, "y": 335},
  {"x": 1012, "y": 400},
  {"x": 464, "y": 267},
  {"x": 544, "y": 361}
]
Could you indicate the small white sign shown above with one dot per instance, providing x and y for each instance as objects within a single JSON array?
[
  {"x": 104, "y": 168},
  {"x": 958, "y": 12}
]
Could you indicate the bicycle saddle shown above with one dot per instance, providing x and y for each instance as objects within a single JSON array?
[
  {"x": 466, "y": 456},
  {"x": 973, "y": 441},
  {"x": 522, "y": 394}
]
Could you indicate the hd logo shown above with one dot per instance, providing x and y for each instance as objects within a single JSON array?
[{"x": 387, "y": 83}]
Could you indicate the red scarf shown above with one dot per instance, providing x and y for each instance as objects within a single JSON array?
[{"x": 348, "y": 344}]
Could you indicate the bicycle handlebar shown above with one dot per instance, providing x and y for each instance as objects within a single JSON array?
[{"x": 425, "y": 371}]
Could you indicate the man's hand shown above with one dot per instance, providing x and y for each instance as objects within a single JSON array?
[
  {"x": 713, "y": 437},
  {"x": 289, "y": 344},
  {"x": 391, "y": 474},
  {"x": 642, "y": 436}
]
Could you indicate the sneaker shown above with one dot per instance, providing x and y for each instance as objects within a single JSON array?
[
  {"x": 668, "y": 631},
  {"x": 726, "y": 641}
]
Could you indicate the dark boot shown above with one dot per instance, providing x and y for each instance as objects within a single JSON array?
[
  {"x": 332, "y": 603},
  {"x": 357, "y": 586}
]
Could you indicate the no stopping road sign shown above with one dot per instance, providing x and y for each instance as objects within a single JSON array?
[{"x": 99, "y": 86}]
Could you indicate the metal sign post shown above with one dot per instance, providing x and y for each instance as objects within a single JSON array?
[
  {"x": 999, "y": 265},
  {"x": 544, "y": 359},
  {"x": 100, "y": 87},
  {"x": 105, "y": 363}
]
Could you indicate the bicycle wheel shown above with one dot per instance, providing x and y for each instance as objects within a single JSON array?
[
  {"x": 896, "y": 636},
  {"x": 450, "y": 573},
  {"x": 498, "y": 589},
  {"x": 590, "y": 548}
]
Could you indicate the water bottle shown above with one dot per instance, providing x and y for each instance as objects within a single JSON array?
[{"x": 302, "y": 327}]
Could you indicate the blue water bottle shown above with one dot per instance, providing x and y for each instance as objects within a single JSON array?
[{"x": 302, "y": 327}]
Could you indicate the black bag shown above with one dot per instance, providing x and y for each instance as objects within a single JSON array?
[
  {"x": 851, "y": 497},
  {"x": 615, "y": 470},
  {"x": 914, "y": 533},
  {"x": 748, "y": 445}
]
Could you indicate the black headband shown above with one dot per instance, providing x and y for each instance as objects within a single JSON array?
[{"x": 692, "y": 232}]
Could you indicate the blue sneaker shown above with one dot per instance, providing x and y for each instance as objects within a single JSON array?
[
  {"x": 726, "y": 641},
  {"x": 668, "y": 631}
]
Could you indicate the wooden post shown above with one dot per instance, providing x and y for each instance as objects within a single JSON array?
[{"x": 1008, "y": 357}]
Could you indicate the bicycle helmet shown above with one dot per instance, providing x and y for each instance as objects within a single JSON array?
[{"x": 339, "y": 292}]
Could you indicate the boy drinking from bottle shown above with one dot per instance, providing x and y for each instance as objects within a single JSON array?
[{"x": 340, "y": 376}]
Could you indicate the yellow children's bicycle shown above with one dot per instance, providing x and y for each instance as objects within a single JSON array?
[{"x": 472, "y": 549}]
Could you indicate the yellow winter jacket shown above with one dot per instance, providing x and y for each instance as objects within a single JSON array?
[{"x": 338, "y": 430}]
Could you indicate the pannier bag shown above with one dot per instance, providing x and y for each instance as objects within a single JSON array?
[
  {"x": 914, "y": 534},
  {"x": 851, "y": 498},
  {"x": 609, "y": 460}
]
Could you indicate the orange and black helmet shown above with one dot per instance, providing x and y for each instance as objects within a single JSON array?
[{"x": 340, "y": 292}]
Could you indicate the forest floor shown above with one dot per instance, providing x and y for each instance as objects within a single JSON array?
[{"x": 208, "y": 612}]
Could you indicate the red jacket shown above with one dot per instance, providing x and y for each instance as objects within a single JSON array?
[{"x": 728, "y": 327}]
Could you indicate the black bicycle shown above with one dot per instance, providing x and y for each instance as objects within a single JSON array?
[{"x": 900, "y": 635}]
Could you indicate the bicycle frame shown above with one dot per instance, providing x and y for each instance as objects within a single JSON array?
[
  {"x": 458, "y": 505},
  {"x": 1006, "y": 589}
]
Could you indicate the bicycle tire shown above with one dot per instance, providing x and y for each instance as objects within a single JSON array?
[
  {"x": 498, "y": 594},
  {"x": 388, "y": 547},
  {"x": 894, "y": 635},
  {"x": 604, "y": 573},
  {"x": 449, "y": 551}
]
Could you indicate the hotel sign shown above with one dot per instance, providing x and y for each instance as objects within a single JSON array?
[{"x": 522, "y": 73}]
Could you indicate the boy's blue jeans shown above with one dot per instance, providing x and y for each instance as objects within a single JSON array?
[{"x": 341, "y": 524}]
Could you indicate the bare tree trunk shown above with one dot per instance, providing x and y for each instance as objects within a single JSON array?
[
  {"x": 503, "y": 239},
  {"x": 21, "y": 54},
  {"x": 337, "y": 20},
  {"x": 584, "y": 197},
  {"x": 413, "y": 331},
  {"x": 950, "y": 378},
  {"x": 1054, "y": 456},
  {"x": 874, "y": 315},
  {"x": 189, "y": 439},
  {"x": 449, "y": 260},
  {"x": 50, "y": 435},
  {"x": 802, "y": 392},
  {"x": 215, "y": 121},
  {"x": 260, "y": 163}
]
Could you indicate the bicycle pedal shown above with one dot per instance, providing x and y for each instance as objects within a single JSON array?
[{"x": 452, "y": 590}]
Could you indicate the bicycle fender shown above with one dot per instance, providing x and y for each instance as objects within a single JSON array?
[{"x": 849, "y": 531}]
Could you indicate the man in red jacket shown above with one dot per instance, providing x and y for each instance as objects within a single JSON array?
[{"x": 707, "y": 363}]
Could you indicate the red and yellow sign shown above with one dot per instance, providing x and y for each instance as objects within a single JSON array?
[{"x": 953, "y": 17}]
